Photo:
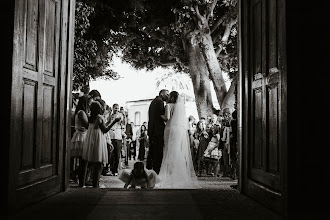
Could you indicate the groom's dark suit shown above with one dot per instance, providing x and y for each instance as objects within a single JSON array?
[{"x": 156, "y": 126}]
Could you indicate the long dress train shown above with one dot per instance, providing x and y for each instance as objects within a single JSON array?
[{"x": 177, "y": 170}]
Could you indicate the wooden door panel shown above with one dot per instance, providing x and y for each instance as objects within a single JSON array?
[
  {"x": 256, "y": 43},
  {"x": 51, "y": 36},
  {"x": 28, "y": 122},
  {"x": 256, "y": 151},
  {"x": 39, "y": 77},
  {"x": 264, "y": 102},
  {"x": 31, "y": 36},
  {"x": 39, "y": 91},
  {"x": 272, "y": 145},
  {"x": 263, "y": 98},
  {"x": 47, "y": 149}
]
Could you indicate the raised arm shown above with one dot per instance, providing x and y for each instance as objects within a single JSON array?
[{"x": 105, "y": 128}]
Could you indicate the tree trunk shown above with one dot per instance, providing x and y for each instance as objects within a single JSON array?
[
  {"x": 214, "y": 68},
  {"x": 200, "y": 79},
  {"x": 229, "y": 100}
]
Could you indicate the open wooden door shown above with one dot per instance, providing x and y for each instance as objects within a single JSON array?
[
  {"x": 264, "y": 97},
  {"x": 39, "y": 110}
]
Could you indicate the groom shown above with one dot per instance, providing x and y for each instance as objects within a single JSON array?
[{"x": 156, "y": 126}]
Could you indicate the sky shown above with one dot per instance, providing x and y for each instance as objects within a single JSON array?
[{"x": 133, "y": 84}]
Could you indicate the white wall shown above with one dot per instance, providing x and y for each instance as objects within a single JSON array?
[{"x": 141, "y": 107}]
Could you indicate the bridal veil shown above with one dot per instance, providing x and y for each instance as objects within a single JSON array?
[{"x": 177, "y": 170}]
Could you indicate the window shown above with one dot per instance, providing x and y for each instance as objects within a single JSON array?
[{"x": 137, "y": 119}]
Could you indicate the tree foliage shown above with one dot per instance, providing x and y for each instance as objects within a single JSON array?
[
  {"x": 90, "y": 59},
  {"x": 152, "y": 33}
]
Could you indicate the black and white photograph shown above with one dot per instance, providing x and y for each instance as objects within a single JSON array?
[{"x": 165, "y": 109}]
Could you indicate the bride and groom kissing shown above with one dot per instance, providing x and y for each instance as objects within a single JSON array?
[
  {"x": 169, "y": 146},
  {"x": 169, "y": 163}
]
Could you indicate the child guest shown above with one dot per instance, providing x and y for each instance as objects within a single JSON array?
[
  {"x": 95, "y": 145},
  {"x": 139, "y": 176}
]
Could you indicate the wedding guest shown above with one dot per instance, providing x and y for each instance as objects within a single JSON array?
[
  {"x": 128, "y": 139},
  {"x": 124, "y": 149},
  {"x": 214, "y": 120},
  {"x": 95, "y": 94},
  {"x": 191, "y": 131},
  {"x": 81, "y": 126},
  {"x": 85, "y": 90},
  {"x": 195, "y": 149},
  {"x": 233, "y": 145},
  {"x": 139, "y": 176},
  {"x": 107, "y": 168},
  {"x": 133, "y": 144},
  {"x": 147, "y": 140},
  {"x": 225, "y": 142},
  {"x": 204, "y": 139},
  {"x": 125, "y": 115},
  {"x": 137, "y": 133},
  {"x": 212, "y": 153},
  {"x": 95, "y": 147},
  {"x": 116, "y": 135},
  {"x": 142, "y": 139}
]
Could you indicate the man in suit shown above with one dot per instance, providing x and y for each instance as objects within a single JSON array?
[
  {"x": 133, "y": 143},
  {"x": 128, "y": 139},
  {"x": 156, "y": 126}
]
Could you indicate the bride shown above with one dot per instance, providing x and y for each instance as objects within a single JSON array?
[{"x": 177, "y": 170}]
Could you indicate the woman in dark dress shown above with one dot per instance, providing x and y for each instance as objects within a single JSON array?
[
  {"x": 204, "y": 139},
  {"x": 143, "y": 140}
]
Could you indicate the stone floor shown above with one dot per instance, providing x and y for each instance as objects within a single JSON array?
[
  {"x": 207, "y": 182},
  {"x": 216, "y": 200}
]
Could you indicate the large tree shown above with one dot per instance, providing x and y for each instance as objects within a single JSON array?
[
  {"x": 193, "y": 36},
  {"x": 91, "y": 60}
]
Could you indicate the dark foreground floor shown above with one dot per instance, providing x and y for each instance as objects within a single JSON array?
[
  {"x": 90, "y": 203},
  {"x": 216, "y": 200}
]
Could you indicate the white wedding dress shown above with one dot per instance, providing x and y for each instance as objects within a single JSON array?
[{"x": 177, "y": 170}]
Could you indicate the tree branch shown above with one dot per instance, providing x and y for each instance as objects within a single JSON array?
[
  {"x": 218, "y": 50},
  {"x": 216, "y": 25},
  {"x": 199, "y": 16},
  {"x": 225, "y": 36},
  {"x": 210, "y": 9},
  {"x": 202, "y": 22}
]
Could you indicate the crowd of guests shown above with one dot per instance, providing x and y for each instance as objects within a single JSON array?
[
  {"x": 104, "y": 140},
  {"x": 213, "y": 142}
]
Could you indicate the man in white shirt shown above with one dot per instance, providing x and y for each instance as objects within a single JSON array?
[{"x": 116, "y": 134}]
